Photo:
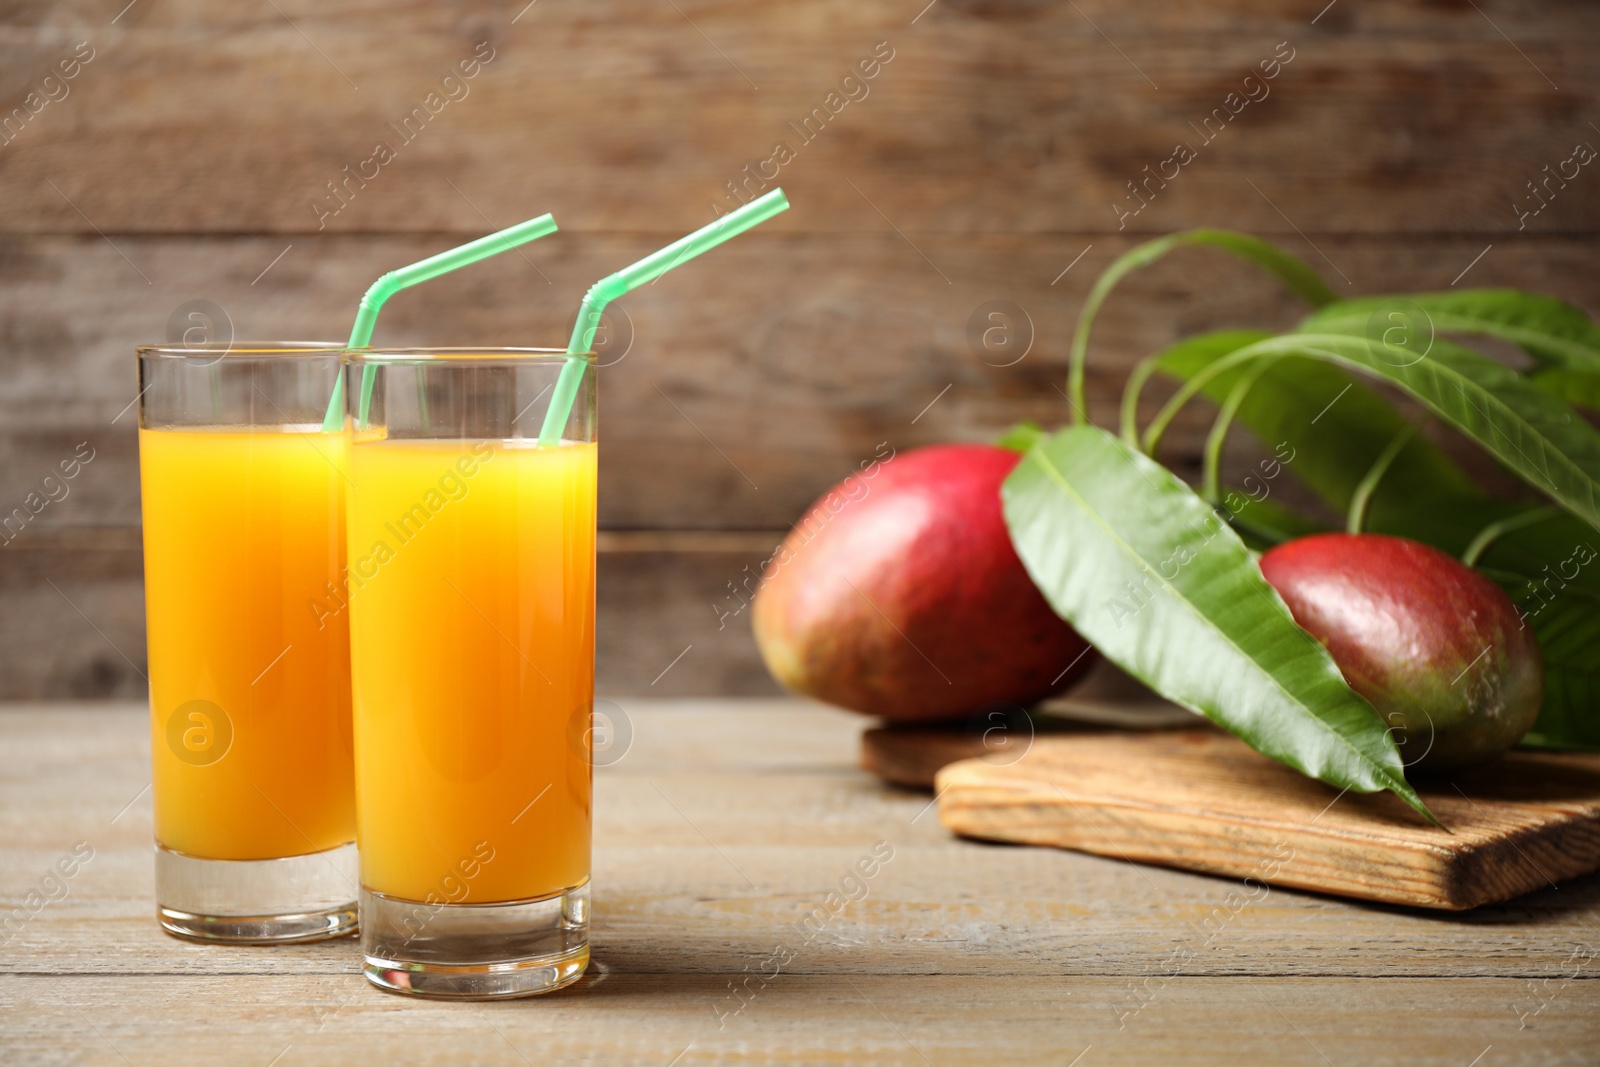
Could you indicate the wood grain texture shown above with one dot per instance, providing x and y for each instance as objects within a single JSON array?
[
  {"x": 991, "y": 117},
  {"x": 647, "y": 1019},
  {"x": 724, "y": 825},
  {"x": 1201, "y": 800}
]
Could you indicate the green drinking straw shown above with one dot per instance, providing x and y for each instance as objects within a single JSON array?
[
  {"x": 647, "y": 269},
  {"x": 421, "y": 271}
]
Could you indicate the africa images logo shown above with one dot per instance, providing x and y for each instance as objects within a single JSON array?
[{"x": 199, "y": 733}]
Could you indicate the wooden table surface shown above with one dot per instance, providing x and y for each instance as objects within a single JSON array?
[{"x": 724, "y": 826}]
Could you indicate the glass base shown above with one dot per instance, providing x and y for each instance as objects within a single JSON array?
[
  {"x": 475, "y": 951},
  {"x": 257, "y": 902}
]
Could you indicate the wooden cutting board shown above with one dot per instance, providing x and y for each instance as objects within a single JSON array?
[{"x": 1201, "y": 800}]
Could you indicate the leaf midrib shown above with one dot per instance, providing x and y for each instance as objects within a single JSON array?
[
  {"x": 1455, "y": 321},
  {"x": 1129, "y": 551},
  {"x": 1548, "y": 445}
]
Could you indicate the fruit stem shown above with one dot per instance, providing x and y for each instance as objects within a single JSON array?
[
  {"x": 1362, "y": 497},
  {"x": 1140, "y": 374},
  {"x": 1211, "y": 478},
  {"x": 1495, "y": 530},
  {"x": 1189, "y": 389},
  {"x": 1294, "y": 273}
]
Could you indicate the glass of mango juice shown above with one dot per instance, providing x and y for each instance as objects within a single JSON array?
[
  {"x": 471, "y": 587},
  {"x": 243, "y": 502}
]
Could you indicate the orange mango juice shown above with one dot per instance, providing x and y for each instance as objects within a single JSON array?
[
  {"x": 249, "y": 682},
  {"x": 472, "y": 660}
]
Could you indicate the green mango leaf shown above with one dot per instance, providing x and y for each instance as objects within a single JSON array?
[
  {"x": 1335, "y": 425},
  {"x": 1552, "y": 331},
  {"x": 1551, "y": 570},
  {"x": 1527, "y": 550},
  {"x": 1535, "y": 435},
  {"x": 1338, "y": 425},
  {"x": 1580, "y": 388},
  {"x": 1020, "y": 437},
  {"x": 1298, "y": 275},
  {"x": 1158, "y": 582},
  {"x": 1567, "y": 626}
]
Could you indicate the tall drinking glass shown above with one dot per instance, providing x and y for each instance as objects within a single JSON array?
[
  {"x": 472, "y": 562},
  {"x": 243, "y": 501}
]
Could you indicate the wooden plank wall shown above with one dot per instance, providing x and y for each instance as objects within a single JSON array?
[{"x": 992, "y": 150}]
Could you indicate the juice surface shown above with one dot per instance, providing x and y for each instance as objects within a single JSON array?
[
  {"x": 472, "y": 655},
  {"x": 249, "y": 678}
]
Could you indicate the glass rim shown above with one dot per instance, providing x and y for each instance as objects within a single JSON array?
[
  {"x": 371, "y": 354},
  {"x": 251, "y": 349},
  {"x": 466, "y": 354}
]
